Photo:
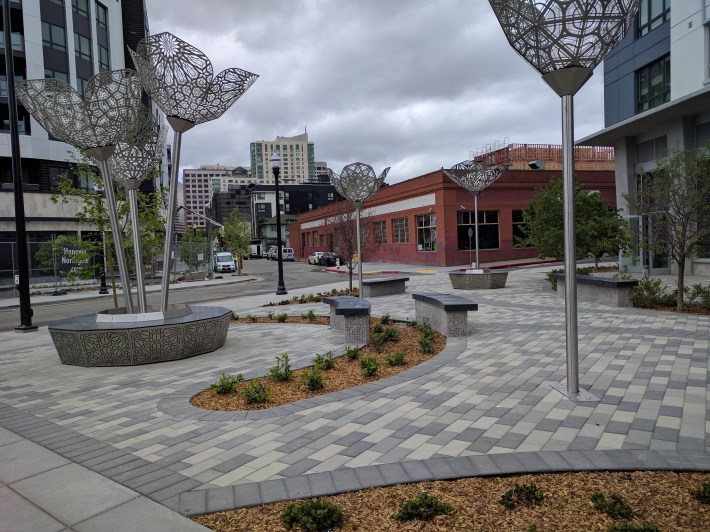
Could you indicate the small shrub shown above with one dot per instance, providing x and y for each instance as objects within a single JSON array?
[
  {"x": 391, "y": 334},
  {"x": 312, "y": 515},
  {"x": 648, "y": 293},
  {"x": 625, "y": 526},
  {"x": 426, "y": 338},
  {"x": 377, "y": 328},
  {"x": 369, "y": 366},
  {"x": 284, "y": 302},
  {"x": 313, "y": 379},
  {"x": 281, "y": 317},
  {"x": 251, "y": 318},
  {"x": 396, "y": 359},
  {"x": 270, "y": 315},
  {"x": 302, "y": 300},
  {"x": 227, "y": 384},
  {"x": 551, "y": 279},
  {"x": 385, "y": 319},
  {"x": 522, "y": 494},
  {"x": 282, "y": 370},
  {"x": 311, "y": 316},
  {"x": 424, "y": 507},
  {"x": 324, "y": 362},
  {"x": 615, "y": 506},
  {"x": 413, "y": 324},
  {"x": 352, "y": 353},
  {"x": 256, "y": 392},
  {"x": 702, "y": 494},
  {"x": 377, "y": 341},
  {"x": 235, "y": 316}
]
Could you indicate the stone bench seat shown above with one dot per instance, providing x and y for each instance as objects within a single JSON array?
[
  {"x": 602, "y": 290},
  {"x": 386, "y": 286},
  {"x": 445, "y": 313},
  {"x": 351, "y": 315}
]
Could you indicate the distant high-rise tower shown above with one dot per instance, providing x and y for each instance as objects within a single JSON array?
[{"x": 297, "y": 159}]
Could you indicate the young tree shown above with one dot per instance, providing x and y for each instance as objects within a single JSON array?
[
  {"x": 675, "y": 202},
  {"x": 237, "y": 235},
  {"x": 193, "y": 243},
  {"x": 599, "y": 229}
]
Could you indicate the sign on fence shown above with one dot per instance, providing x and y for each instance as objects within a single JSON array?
[{"x": 71, "y": 259}]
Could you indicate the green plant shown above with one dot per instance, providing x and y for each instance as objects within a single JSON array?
[
  {"x": 385, "y": 319},
  {"x": 377, "y": 340},
  {"x": 698, "y": 293},
  {"x": 352, "y": 353},
  {"x": 282, "y": 370},
  {"x": 390, "y": 334},
  {"x": 324, "y": 362},
  {"x": 235, "y": 316},
  {"x": 413, "y": 324},
  {"x": 313, "y": 379},
  {"x": 270, "y": 315},
  {"x": 396, "y": 359},
  {"x": 256, "y": 392},
  {"x": 281, "y": 317},
  {"x": 251, "y": 318},
  {"x": 649, "y": 293},
  {"x": 369, "y": 366},
  {"x": 522, "y": 494},
  {"x": 312, "y": 515},
  {"x": 702, "y": 494},
  {"x": 227, "y": 384},
  {"x": 311, "y": 316},
  {"x": 426, "y": 338},
  {"x": 377, "y": 328},
  {"x": 424, "y": 507},
  {"x": 615, "y": 506},
  {"x": 625, "y": 526}
]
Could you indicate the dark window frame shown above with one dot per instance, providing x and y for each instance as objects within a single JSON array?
[{"x": 648, "y": 93}]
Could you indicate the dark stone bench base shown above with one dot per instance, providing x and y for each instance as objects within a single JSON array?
[
  {"x": 82, "y": 341},
  {"x": 461, "y": 280},
  {"x": 602, "y": 290},
  {"x": 383, "y": 287},
  {"x": 445, "y": 313},
  {"x": 351, "y": 315}
]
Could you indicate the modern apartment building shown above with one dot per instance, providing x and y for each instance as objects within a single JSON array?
[
  {"x": 68, "y": 40},
  {"x": 297, "y": 160},
  {"x": 198, "y": 186},
  {"x": 657, "y": 98}
]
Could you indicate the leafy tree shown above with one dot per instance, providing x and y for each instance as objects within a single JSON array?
[
  {"x": 237, "y": 235},
  {"x": 675, "y": 201},
  {"x": 192, "y": 243},
  {"x": 49, "y": 254},
  {"x": 599, "y": 229}
]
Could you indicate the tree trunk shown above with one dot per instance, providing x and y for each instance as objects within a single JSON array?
[{"x": 681, "y": 283}]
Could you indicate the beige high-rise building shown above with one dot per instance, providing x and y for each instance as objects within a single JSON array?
[{"x": 297, "y": 159}]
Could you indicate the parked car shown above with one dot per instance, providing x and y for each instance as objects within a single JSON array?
[
  {"x": 314, "y": 258},
  {"x": 330, "y": 259},
  {"x": 224, "y": 262}
]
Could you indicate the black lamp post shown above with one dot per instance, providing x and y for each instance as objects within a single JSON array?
[{"x": 275, "y": 161}]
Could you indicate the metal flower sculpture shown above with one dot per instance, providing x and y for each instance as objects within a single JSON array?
[
  {"x": 564, "y": 40},
  {"x": 475, "y": 176},
  {"x": 356, "y": 183},
  {"x": 95, "y": 123},
  {"x": 179, "y": 78},
  {"x": 140, "y": 152}
]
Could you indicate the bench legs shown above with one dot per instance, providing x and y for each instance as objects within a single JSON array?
[{"x": 448, "y": 323}]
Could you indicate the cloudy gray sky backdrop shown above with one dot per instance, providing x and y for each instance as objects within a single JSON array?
[{"x": 411, "y": 84}]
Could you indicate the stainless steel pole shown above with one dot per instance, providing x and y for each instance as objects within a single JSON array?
[
  {"x": 570, "y": 245},
  {"x": 170, "y": 222},
  {"x": 475, "y": 207},
  {"x": 137, "y": 251},
  {"x": 359, "y": 252}
]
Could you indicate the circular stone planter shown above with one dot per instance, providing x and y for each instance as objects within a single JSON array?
[{"x": 478, "y": 279}]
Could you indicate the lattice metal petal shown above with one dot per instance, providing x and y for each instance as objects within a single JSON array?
[
  {"x": 100, "y": 119},
  {"x": 178, "y": 77},
  {"x": 140, "y": 151},
  {"x": 557, "y": 34},
  {"x": 475, "y": 176},
  {"x": 357, "y": 181}
]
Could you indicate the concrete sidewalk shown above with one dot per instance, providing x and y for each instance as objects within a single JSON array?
[{"x": 86, "y": 448}]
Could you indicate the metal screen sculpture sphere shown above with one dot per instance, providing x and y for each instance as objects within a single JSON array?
[
  {"x": 356, "y": 183},
  {"x": 564, "y": 40},
  {"x": 179, "y": 78},
  {"x": 95, "y": 123},
  {"x": 132, "y": 160},
  {"x": 475, "y": 177}
]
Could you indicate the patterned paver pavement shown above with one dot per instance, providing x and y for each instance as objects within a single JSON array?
[{"x": 483, "y": 406}]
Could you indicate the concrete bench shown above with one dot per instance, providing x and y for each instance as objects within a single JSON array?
[
  {"x": 383, "y": 287},
  {"x": 445, "y": 313},
  {"x": 602, "y": 290},
  {"x": 351, "y": 315}
]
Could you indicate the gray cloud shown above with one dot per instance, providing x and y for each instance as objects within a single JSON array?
[{"x": 408, "y": 84}]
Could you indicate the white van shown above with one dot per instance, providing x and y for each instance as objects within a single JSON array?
[
  {"x": 223, "y": 262},
  {"x": 287, "y": 254}
]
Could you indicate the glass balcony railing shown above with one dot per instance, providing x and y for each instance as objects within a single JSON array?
[{"x": 18, "y": 42}]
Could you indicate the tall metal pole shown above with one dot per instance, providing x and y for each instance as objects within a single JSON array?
[
  {"x": 359, "y": 251},
  {"x": 137, "y": 251},
  {"x": 475, "y": 208},
  {"x": 22, "y": 260},
  {"x": 280, "y": 287},
  {"x": 570, "y": 244}
]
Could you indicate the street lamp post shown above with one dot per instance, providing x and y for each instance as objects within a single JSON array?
[{"x": 275, "y": 161}]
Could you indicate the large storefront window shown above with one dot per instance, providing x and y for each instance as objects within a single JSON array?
[
  {"x": 426, "y": 232},
  {"x": 487, "y": 229},
  {"x": 400, "y": 230}
]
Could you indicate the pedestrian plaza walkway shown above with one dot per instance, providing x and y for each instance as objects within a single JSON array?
[{"x": 87, "y": 448}]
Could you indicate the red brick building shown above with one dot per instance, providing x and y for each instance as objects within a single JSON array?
[{"x": 425, "y": 220}]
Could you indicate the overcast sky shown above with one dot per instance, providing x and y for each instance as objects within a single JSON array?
[{"x": 411, "y": 84}]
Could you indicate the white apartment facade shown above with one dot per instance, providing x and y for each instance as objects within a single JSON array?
[{"x": 297, "y": 159}]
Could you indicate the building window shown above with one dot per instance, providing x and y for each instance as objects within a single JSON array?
[
  {"x": 400, "y": 230},
  {"x": 518, "y": 227},
  {"x": 487, "y": 229},
  {"x": 56, "y": 75},
  {"x": 104, "y": 59},
  {"x": 654, "y": 84},
  {"x": 81, "y": 86},
  {"x": 426, "y": 232},
  {"x": 53, "y": 36},
  {"x": 380, "y": 229},
  {"x": 652, "y": 150},
  {"x": 101, "y": 15},
  {"x": 653, "y": 13},
  {"x": 82, "y": 47},
  {"x": 58, "y": 2},
  {"x": 81, "y": 7}
]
